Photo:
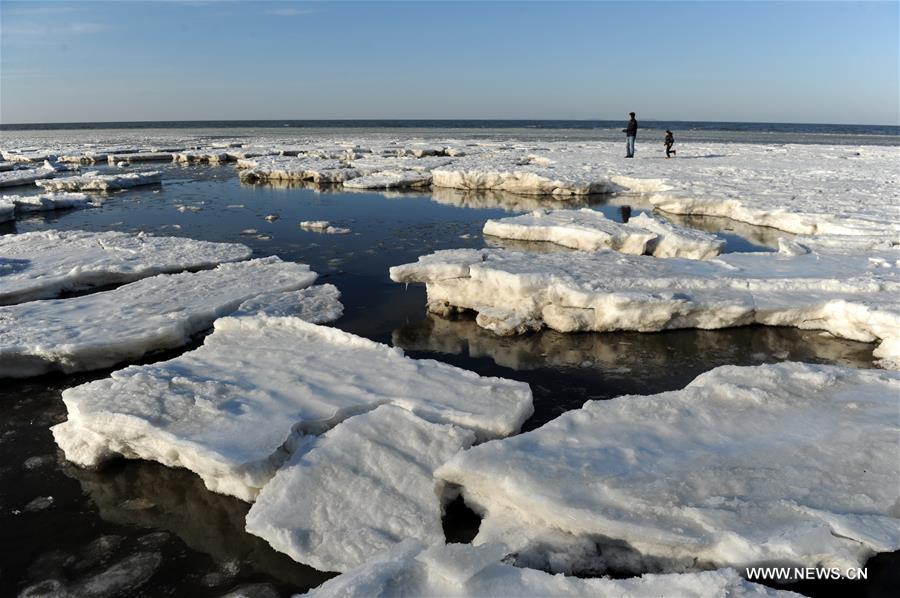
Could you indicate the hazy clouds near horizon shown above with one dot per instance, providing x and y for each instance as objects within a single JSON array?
[{"x": 125, "y": 61}]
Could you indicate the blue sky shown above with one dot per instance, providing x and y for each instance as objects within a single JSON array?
[{"x": 832, "y": 62}]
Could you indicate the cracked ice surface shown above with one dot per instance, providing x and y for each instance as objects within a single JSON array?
[
  {"x": 233, "y": 410},
  {"x": 92, "y": 181},
  {"x": 852, "y": 296},
  {"x": 48, "y": 201},
  {"x": 686, "y": 479},
  {"x": 462, "y": 570},
  {"x": 375, "y": 473},
  {"x": 43, "y": 264},
  {"x": 161, "y": 312},
  {"x": 589, "y": 230}
]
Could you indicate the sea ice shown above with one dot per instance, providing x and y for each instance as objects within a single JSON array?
[
  {"x": 789, "y": 463},
  {"x": 462, "y": 570},
  {"x": 140, "y": 157},
  {"x": 286, "y": 168},
  {"x": 47, "y": 201},
  {"x": 323, "y": 226},
  {"x": 677, "y": 241},
  {"x": 18, "y": 178},
  {"x": 318, "y": 304},
  {"x": 203, "y": 156},
  {"x": 390, "y": 179},
  {"x": 523, "y": 174},
  {"x": 850, "y": 296},
  {"x": 233, "y": 410},
  {"x": 92, "y": 181},
  {"x": 363, "y": 486},
  {"x": 161, "y": 312},
  {"x": 43, "y": 264},
  {"x": 584, "y": 229},
  {"x": 7, "y": 210}
]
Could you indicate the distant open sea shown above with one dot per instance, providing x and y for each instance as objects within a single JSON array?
[{"x": 720, "y": 132}]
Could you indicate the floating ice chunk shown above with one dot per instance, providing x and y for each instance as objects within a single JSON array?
[
  {"x": 43, "y": 264},
  {"x": 583, "y": 229},
  {"x": 390, "y": 179},
  {"x": 849, "y": 296},
  {"x": 375, "y": 473},
  {"x": 462, "y": 570},
  {"x": 287, "y": 168},
  {"x": 676, "y": 241},
  {"x": 48, "y": 201},
  {"x": 140, "y": 157},
  {"x": 101, "y": 182},
  {"x": 7, "y": 166},
  {"x": 323, "y": 226},
  {"x": 318, "y": 304},
  {"x": 789, "y": 463},
  {"x": 233, "y": 410},
  {"x": 518, "y": 175},
  {"x": 202, "y": 156},
  {"x": 162, "y": 312},
  {"x": 18, "y": 178}
]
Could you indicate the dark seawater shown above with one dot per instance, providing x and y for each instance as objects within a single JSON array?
[
  {"x": 719, "y": 132},
  {"x": 60, "y": 522}
]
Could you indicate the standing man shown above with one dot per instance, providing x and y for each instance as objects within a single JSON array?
[{"x": 630, "y": 136}]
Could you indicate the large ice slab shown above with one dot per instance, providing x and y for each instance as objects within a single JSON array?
[
  {"x": 287, "y": 168},
  {"x": 523, "y": 174},
  {"x": 789, "y": 463},
  {"x": 390, "y": 179},
  {"x": 851, "y": 296},
  {"x": 101, "y": 182},
  {"x": 162, "y": 312},
  {"x": 48, "y": 201},
  {"x": 462, "y": 570},
  {"x": 362, "y": 487},
  {"x": 18, "y": 178},
  {"x": 43, "y": 264},
  {"x": 130, "y": 157},
  {"x": 233, "y": 410}
]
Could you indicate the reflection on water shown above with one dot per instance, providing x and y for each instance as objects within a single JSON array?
[
  {"x": 759, "y": 235},
  {"x": 510, "y": 202},
  {"x": 565, "y": 369},
  {"x": 156, "y": 497}
]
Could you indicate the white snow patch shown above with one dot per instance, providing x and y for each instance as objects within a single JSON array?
[
  {"x": 317, "y": 304},
  {"x": 48, "y": 201}
]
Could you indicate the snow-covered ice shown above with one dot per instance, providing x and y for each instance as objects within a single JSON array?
[
  {"x": 47, "y": 201},
  {"x": 101, "y": 182},
  {"x": 317, "y": 304},
  {"x": 215, "y": 156},
  {"x": 362, "y": 487},
  {"x": 461, "y": 570},
  {"x": 390, "y": 179},
  {"x": 287, "y": 168},
  {"x": 18, "y": 178},
  {"x": 523, "y": 174},
  {"x": 161, "y": 312},
  {"x": 234, "y": 409},
  {"x": 323, "y": 226},
  {"x": 673, "y": 240},
  {"x": 852, "y": 296},
  {"x": 114, "y": 158},
  {"x": 789, "y": 463},
  {"x": 43, "y": 264}
]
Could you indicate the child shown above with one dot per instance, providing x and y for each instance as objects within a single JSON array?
[{"x": 670, "y": 141}]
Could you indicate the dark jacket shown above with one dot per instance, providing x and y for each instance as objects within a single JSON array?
[
  {"x": 670, "y": 139},
  {"x": 631, "y": 130}
]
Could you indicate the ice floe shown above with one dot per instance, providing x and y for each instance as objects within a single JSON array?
[
  {"x": 19, "y": 178},
  {"x": 851, "y": 296},
  {"x": 323, "y": 226},
  {"x": 101, "y": 182},
  {"x": 390, "y": 179},
  {"x": 286, "y": 168},
  {"x": 43, "y": 264},
  {"x": 685, "y": 479},
  {"x": 47, "y": 201},
  {"x": 161, "y": 312},
  {"x": 462, "y": 570},
  {"x": 362, "y": 487},
  {"x": 234, "y": 409},
  {"x": 114, "y": 158}
]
